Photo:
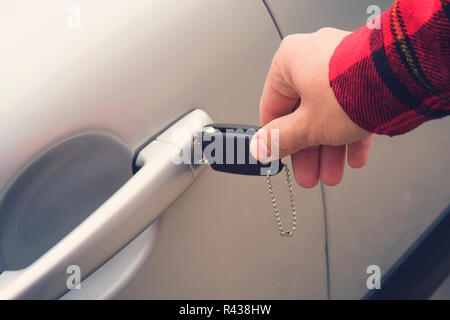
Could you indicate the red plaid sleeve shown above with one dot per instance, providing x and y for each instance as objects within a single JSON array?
[{"x": 392, "y": 79}]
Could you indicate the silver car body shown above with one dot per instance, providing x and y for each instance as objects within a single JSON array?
[{"x": 123, "y": 73}]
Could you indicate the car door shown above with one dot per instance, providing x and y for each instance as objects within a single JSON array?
[
  {"x": 86, "y": 90},
  {"x": 84, "y": 86},
  {"x": 381, "y": 211}
]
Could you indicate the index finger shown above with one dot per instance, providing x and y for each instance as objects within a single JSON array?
[{"x": 278, "y": 97}]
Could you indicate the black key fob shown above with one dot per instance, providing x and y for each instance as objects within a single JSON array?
[{"x": 226, "y": 148}]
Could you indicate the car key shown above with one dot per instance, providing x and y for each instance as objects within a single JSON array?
[{"x": 226, "y": 148}]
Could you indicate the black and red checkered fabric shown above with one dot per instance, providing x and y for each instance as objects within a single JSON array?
[{"x": 392, "y": 79}]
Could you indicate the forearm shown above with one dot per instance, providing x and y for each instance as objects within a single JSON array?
[{"x": 391, "y": 80}]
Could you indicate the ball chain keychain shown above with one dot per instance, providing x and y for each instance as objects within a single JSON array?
[
  {"x": 275, "y": 205},
  {"x": 241, "y": 136}
]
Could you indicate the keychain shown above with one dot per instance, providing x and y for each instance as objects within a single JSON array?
[{"x": 226, "y": 148}]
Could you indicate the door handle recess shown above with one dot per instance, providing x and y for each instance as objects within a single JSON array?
[{"x": 129, "y": 211}]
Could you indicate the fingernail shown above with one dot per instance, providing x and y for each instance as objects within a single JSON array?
[
  {"x": 258, "y": 148},
  {"x": 254, "y": 146}
]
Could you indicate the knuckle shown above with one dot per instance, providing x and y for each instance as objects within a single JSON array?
[
  {"x": 308, "y": 133},
  {"x": 288, "y": 39},
  {"x": 289, "y": 146},
  {"x": 290, "y": 42},
  {"x": 325, "y": 30}
]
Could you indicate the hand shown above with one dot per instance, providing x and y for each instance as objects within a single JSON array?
[{"x": 298, "y": 101}]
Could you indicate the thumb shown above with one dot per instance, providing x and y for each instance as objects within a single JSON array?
[{"x": 281, "y": 137}]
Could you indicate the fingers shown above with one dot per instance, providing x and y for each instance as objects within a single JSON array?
[
  {"x": 327, "y": 162},
  {"x": 278, "y": 108},
  {"x": 278, "y": 97},
  {"x": 358, "y": 152},
  {"x": 281, "y": 137},
  {"x": 298, "y": 76},
  {"x": 332, "y": 161},
  {"x": 305, "y": 164}
]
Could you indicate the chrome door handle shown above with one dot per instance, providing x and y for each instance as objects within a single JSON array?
[{"x": 135, "y": 206}]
